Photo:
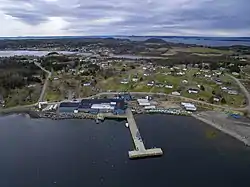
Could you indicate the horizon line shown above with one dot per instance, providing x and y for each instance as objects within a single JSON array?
[{"x": 194, "y": 36}]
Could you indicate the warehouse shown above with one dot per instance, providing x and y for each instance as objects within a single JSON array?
[
  {"x": 102, "y": 105},
  {"x": 143, "y": 102},
  {"x": 68, "y": 107},
  {"x": 189, "y": 106}
]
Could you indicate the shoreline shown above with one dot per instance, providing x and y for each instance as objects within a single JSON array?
[
  {"x": 66, "y": 116},
  {"x": 224, "y": 130}
]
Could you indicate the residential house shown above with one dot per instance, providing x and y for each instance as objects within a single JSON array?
[
  {"x": 124, "y": 81},
  {"x": 193, "y": 91},
  {"x": 169, "y": 86},
  {"x": 232, "y": 92},
  {"x": 135, "y": 79},
  {"x": 185, "y": 81},
  {"x": 216, "y": 99},
  {"x": 235, "y": 74},
  {"x": 180, "y": 73},
  {"x": 176, "y": 93},
  {"x": 223, "y": 88},
  {"x": 159, "y": 85},
  {"x": 86, "y": 84},
  {"x": 207, "y": 76},
  {"x": 151, "y": 83}
]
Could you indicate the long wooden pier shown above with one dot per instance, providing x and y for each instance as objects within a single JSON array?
[{"x": 140, "y": 150}]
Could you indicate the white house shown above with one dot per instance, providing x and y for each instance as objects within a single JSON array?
[
  {"x": 124, "y": 81},
  {"x": 86, "y": 84},
  {"x": 216, "y": 99},
  {"x": 180, "y": 73},
  {"x": 176, "y": 93},
  {"x": 223, "y": 88},
  {"x": 208, "y": 76},
  {"x": 232, "y": 92},
  {"x": 185, "y": 81},
  {"x": 135, "y": 79},
  {"x": 194, "y": 91},
  {"x": 169, "y": 86},
  {"x": 235, "y": 74}
]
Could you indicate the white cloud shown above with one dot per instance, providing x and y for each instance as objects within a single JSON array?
[{"x": 130, "y": 17}]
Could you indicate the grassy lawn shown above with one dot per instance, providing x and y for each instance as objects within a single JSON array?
[{"x": 53, "y": 96}]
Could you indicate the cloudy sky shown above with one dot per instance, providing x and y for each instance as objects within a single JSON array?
[{"x": 125, "y": 17}]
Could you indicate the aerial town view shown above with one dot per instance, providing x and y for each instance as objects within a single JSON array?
[
  {"x": 116, "y": 78},
  {"x": 124, "y": 93}
]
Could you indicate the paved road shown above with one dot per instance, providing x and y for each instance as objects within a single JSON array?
[
  {"x": 244, "y": 90},
  {"x": 174, "y": 96},
  {"x": 41, "y": 98}
]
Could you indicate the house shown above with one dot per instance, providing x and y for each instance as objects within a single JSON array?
[
  {"x": 235, "y": 74},
  {"x": 124, "y": 81},
  {"x": 216, "y": 99},
  {"x": 232, "y": 92},
  {"x": 218, "y": 82},
  {"x": 31, "y": 86},
  {"x": 86, "y": 84},
  {"x": 159, "y": 85},
  {"x": 176, "y": 93},
  {"x": 180, "y": 73},
  {"x": 135, "y": 79},
  {"x": 169, "y": 86},
  {"x": 208, "y": 76},
  {"x": 151, "y": 83},
  {"x": 192, "y": 90},
  {"x": 223, "y": 88},
  {"x": 168, "y": 73},
  {"x": 185, "y": 81}
]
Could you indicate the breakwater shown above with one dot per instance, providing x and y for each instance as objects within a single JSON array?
[{"x": 102, "y": 116}]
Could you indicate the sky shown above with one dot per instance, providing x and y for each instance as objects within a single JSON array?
[{"x": 124, "y": 17}]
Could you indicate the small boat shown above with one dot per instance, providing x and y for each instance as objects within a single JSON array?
[
  {"x": 126, "y": 124},
  {"x": 97, "y": 121}
]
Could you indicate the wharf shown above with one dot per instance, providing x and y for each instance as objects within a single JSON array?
[{"x": 140, "y": 150}]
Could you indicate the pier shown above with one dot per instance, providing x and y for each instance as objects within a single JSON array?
[{"x": 140, "y": 150}]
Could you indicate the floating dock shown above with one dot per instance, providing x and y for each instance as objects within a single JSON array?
[{"x": 140, "y": 150}]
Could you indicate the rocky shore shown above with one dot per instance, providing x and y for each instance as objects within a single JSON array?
[{"x": 226, "y": 126}]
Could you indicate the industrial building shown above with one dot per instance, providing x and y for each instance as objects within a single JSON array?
[
  {"x": 68, "y": 107},
  {"x": 189, "y": 106},
  {"x": 116, "y": 106}
]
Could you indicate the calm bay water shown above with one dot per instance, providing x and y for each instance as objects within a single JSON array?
[{"x": 77, "y": 153}]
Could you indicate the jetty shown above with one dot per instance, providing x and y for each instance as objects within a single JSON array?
[{"x": 140, "y": 150}]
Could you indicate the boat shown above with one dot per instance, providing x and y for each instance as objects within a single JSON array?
[
  {"x": 97, "y": 121},
  {"x": 126, "y": 124}
]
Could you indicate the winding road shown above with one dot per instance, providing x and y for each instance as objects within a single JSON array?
[{"x": 244, "y": 90}]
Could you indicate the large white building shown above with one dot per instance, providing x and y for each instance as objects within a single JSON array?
[
  {"x": 189, "y": 106},
  {"x": 143, "y": 102}
]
